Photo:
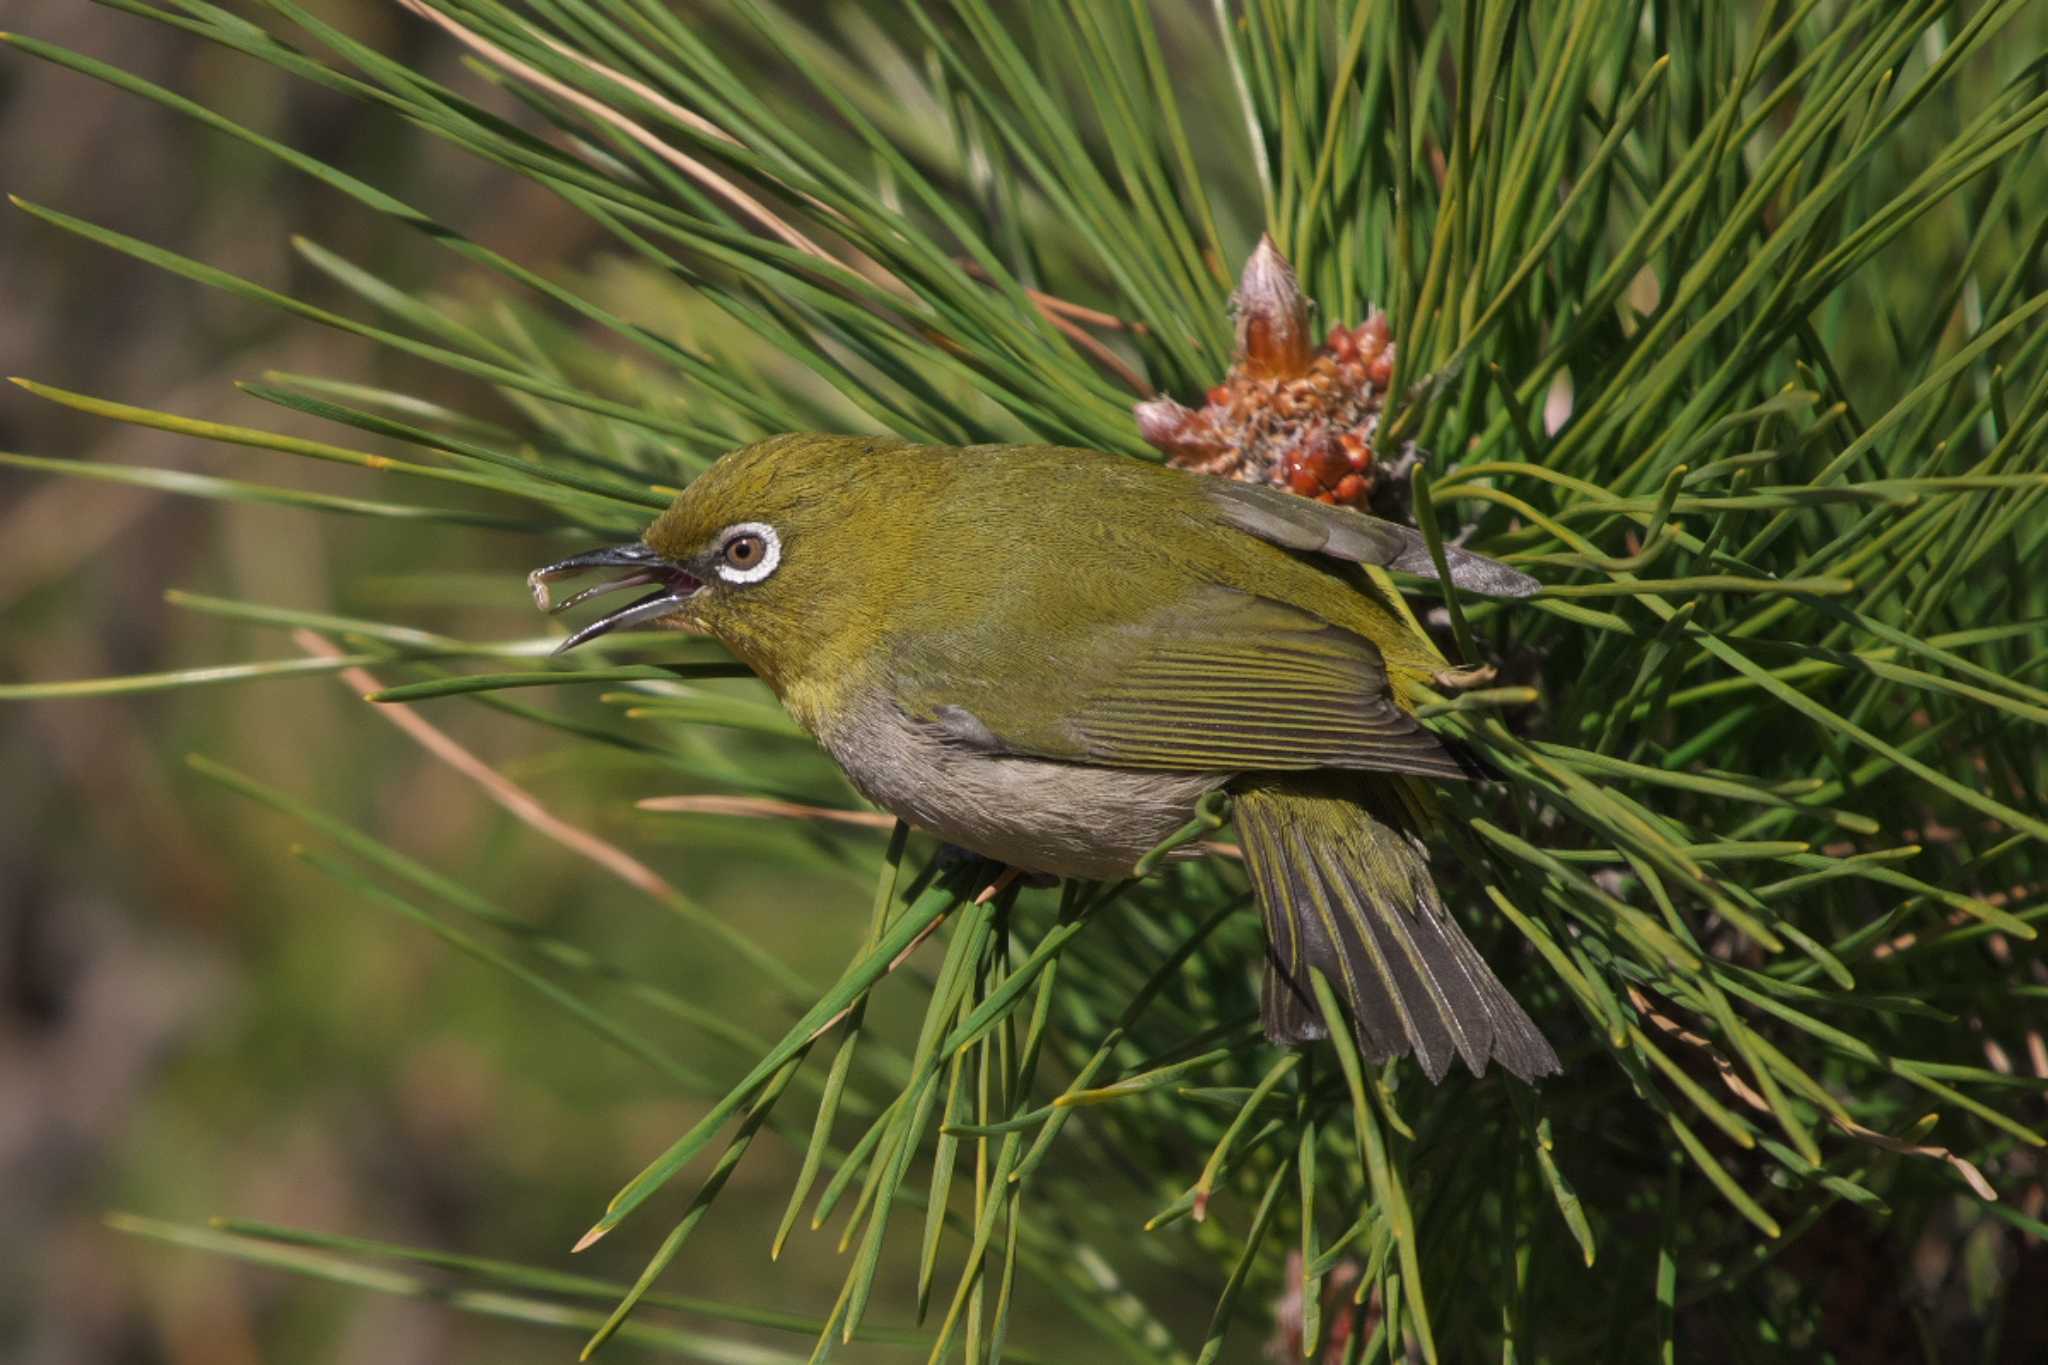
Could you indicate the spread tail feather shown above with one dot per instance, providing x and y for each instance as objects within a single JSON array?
[{"x": 1345, "y": 888}]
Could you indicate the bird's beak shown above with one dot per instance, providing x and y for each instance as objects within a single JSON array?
[{"x": 674, "y": 587}]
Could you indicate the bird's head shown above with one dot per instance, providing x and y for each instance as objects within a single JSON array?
[{"x": 769, "y": 550}]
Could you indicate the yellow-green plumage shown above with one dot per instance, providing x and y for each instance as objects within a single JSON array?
[
  {"x": 986, "y": 543},
  {"x": 1049, "y": 655}
]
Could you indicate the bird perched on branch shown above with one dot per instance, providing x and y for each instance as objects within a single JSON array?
[{"x": 1051, "y": 657}]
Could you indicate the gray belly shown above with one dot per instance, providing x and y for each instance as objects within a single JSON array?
[{"x": 1069, "y": 819}]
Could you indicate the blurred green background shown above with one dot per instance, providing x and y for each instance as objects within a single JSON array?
[{"x": 193, "y": 1023}]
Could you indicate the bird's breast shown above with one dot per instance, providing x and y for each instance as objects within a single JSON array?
[{"x": 1069, "y": 819}]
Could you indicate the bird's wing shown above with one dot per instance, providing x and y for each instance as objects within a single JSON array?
[
  {"x": 1223, "y": 681},
  {"x": 1297, "y": 523}
]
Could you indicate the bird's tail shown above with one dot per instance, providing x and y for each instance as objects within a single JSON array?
[{"x": 1344, "y": 886}]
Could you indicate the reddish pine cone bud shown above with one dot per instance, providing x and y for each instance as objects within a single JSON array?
[
  {"x": 1272, "y": 317},
  {"x": 1189, "y": 437},
  {"x": 1287, "y": 413}
]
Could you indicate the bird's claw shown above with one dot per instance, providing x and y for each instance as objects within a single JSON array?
[{"x": 1464, "y": 679}]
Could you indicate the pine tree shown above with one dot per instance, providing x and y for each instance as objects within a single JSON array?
[{"x": 1726, "y": 321}]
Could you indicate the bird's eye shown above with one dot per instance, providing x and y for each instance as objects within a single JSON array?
[{"x": 749, "y": 552}]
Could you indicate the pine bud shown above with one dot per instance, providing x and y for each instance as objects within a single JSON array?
[
  {"x": 1288, "y": 413},
  {"x": 1272, "y": 317}
]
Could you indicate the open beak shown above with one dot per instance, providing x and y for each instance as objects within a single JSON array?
[{"x": 641, "y": 566}]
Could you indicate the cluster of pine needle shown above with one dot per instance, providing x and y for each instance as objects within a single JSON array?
[{"x": 1729, "y": 322}]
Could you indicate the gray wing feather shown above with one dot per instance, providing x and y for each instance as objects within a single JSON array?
[
  {"x": 962, "y": 727},
  {"x": 1298, "y": 523}
]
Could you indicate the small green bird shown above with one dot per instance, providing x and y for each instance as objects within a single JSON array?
[{"x": 1050, "y": 656}]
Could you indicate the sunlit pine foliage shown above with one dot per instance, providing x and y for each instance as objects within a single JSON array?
[{"x": 1728, "y": 321}]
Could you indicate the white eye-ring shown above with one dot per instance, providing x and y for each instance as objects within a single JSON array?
[{"x": 748, "y": 552}]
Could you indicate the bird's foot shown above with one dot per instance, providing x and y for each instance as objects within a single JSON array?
[
  {"x": 1393, "y": 496},
  {"x": 1464, "y": 679},
  {"x": 1401, "y": 466}
]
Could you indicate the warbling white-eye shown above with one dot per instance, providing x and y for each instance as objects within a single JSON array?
[{"x": 1050, "y": 656}]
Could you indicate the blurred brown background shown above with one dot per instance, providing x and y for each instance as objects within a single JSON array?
[{"x": 191, "y": 1022}]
